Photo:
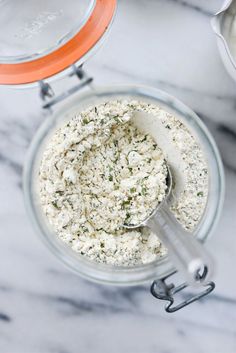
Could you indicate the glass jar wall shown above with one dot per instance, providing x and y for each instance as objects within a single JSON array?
[{"x": 80, "y": 264}]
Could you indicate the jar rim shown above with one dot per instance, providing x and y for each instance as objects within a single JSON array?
[{"x": 123, "y": 275}]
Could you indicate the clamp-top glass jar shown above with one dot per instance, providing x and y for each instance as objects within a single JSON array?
[{"x": 30, "y": 65}]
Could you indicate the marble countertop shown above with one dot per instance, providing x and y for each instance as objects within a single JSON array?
[{"x": 44, "y": 308}]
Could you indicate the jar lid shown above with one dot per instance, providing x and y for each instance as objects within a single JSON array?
[{"x": 45, "y": 37}]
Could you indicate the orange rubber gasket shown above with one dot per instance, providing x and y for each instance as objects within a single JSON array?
[{"x": 63, "y": 57}]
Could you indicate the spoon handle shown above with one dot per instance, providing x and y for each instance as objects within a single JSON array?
[{"x": 187, "y": 253}]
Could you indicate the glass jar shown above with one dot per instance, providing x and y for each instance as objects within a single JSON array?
[
  {"x": 105, "y": 273},
  {"x": 50, "y": 39}
]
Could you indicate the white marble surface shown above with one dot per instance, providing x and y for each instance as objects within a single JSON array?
[{"x": 44, "y": 308}]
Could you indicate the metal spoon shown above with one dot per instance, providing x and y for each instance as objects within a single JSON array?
[{"x": 187, "y": 253}]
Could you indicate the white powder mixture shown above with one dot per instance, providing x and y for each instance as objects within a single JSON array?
[{"x": 100, "y": 171}]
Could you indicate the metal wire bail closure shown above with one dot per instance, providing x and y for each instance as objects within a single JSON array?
[{"x": 163, "y": 291}]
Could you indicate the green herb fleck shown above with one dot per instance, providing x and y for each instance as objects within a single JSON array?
[
  {"x": 110, "y": 178},
  {"x": 127, "y": 217},
  {"x": 144, "y": 139},
  {"x": 116, "y": 118},
  {"x": 85, "y": 121},
  {"x": 125, "y": 203},
  {"x": 200, "y": 193},
  {"x": 144, "y": 190},
  {"x": 54, "y": 203},
  {"x": 59, "y": 192}
]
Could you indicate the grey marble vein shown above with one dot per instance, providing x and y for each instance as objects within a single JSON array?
[
  {"x": 4, "y": 317},
  {"x": 166, "y": 85},
  {"x": 193, "y": 6},
  {"x": 16, "y": 167},
  {"x": 227, "y": 131}
]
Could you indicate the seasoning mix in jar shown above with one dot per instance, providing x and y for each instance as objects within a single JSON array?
[{"x": 102, "y": 159}]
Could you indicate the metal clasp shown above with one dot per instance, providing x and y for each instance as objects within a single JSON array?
[
  {"x": 48, "y": 96},
  {"x": 163, "y": 291}
]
